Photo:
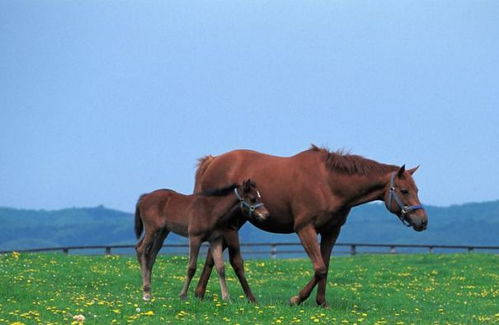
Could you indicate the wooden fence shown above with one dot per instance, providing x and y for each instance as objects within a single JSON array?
[{"x": 274, "y": 250}]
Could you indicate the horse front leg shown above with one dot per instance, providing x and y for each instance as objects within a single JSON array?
[
  {"x": 217, "y": 252},
  {"x": 194, "y": 246},
  {"x": 308, "y": 238},
  {"x": 327, "y": 242}
]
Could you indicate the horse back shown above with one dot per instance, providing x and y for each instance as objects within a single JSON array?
[
  {"x": 238, "y": 165},
  {"x": 284, "y": 182}
]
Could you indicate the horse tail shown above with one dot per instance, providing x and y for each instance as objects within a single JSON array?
[
  {"x": 203, "y": 164},
  {"x": 139, "y": 226}
]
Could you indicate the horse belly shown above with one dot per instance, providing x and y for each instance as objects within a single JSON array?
[
  {"x": 328, "y": 221},
  {"x": 276, "y": 225}
]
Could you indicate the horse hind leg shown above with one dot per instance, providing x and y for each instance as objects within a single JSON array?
[{"x": 217, "y": 252}]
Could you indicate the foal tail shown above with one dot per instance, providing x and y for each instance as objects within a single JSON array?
[{"x": 139, "y": 226}]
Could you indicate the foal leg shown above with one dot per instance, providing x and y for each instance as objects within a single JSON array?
[
  {"x": 157, "y": 243},
  {"x": 308, "y": 238},
  {"x": 217, "y": 252},
  {"x": 236, "y": 260},
  {"x": 194, "y": 246},
  {"x": 143, "y": 255},
  {"x": 205, "y": 275}
]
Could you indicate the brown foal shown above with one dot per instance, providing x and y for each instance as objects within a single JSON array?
[{"x": 201, "y": 217}]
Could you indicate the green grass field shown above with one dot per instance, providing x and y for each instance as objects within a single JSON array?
[{"x": 368, "y": 289}]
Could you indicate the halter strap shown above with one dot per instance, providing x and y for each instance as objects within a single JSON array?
[
  {"x": 251, "y": 207},
  {"x": 404, "y": 209}
]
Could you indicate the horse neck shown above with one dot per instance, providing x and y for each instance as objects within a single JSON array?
[{"x": 358, "y": 189}]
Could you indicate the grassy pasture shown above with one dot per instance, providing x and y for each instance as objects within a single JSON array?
[{"x": 366, "y": 289}]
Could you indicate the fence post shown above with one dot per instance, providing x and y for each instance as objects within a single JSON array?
[
  {"x": 353, "y": 249},
  {"x": 108, "y": 250},
  {"x": 273, "y": 251}
]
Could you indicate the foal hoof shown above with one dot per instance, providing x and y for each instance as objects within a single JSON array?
[
  {"x": 294, "y": 301},
  {"x": 183, "y": 296},
  {"x": 252, "y": 300},
  {"x": 324, "y": 305},
  {"x": 146, "y": 297}
]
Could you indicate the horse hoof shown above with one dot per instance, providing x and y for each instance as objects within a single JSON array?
[
  {"x": 183, "y": 296},
  {"x": 294, "y": 301},
  {"x": 146, "y": 297}
]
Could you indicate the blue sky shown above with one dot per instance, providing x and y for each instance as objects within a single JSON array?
[{"x": 101, "y": 101}]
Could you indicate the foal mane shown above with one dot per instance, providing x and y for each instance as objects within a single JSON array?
[
  {"x": 222, "y": 191},
  {"x": 343, "y": 162}
]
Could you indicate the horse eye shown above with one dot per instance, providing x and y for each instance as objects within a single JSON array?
[{"x": 404, "y": 191}]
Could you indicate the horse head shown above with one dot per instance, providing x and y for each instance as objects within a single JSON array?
[
  {"x": 251, "y": 201},
  {"x": 401, "y": 198}
]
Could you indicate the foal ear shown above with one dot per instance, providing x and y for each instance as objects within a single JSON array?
[
  {"x": 247, "y": 185},
  {"x": 413, "y": 170},
  {"x": 401, "y": 171}
]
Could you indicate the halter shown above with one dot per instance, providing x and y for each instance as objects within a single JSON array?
[
  {"x": 251, "y": 207},
  {"x": 404, "y": 209}
]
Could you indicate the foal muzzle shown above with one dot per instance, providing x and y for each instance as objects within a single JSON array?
[{"x": 251, "y": 207}]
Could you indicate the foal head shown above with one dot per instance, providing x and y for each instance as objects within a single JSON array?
[
  {"x": 401, "y": 198},
  {"x": 251, "y": 201}
]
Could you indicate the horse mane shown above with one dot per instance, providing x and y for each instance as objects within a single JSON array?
[
  {"x": 346, "y": 163},
  {"x": 222, "y": 191}
]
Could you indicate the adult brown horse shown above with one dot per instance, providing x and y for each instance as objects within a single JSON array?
[{"x": 312, "y": 193}]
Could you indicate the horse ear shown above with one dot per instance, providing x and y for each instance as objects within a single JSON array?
[
  {"x": 401, "y": 171},
  {"x": 413, "y": 170}
]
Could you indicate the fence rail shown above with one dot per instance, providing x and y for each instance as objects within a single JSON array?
[{"x": 279, "y": 249}]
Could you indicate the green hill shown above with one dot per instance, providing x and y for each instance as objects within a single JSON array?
[{"x": 473, "y": 224}]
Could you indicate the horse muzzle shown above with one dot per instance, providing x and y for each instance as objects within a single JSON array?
[
  {"x": 420, "y": 227},
  {"x": 417, "y": 222}
]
